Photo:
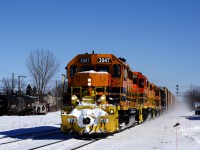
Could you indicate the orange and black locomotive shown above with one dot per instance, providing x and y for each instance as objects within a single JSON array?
[{"x": 104, "y": 95}]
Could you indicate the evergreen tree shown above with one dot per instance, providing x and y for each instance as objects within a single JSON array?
[{"x": 29, "y": 90}]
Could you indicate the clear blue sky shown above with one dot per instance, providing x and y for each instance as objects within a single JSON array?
[{"x": 159, "y": 38}]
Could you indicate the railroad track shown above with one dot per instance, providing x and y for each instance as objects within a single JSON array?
[
  {"x": 86, "y": 144},
  {"x": 48, "y": 139},
  {"x": 71, "y": 143},
  {"x": 50, "y": 144}
]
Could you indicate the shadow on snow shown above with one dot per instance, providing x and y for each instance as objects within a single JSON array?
[
  {"x": 36, "y": 133},
  {"x": 193, "y": 117}
]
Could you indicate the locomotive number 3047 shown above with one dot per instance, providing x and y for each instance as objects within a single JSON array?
[
  {"x": 84, "y": 60},
  {"x": 103, "y": 60}
]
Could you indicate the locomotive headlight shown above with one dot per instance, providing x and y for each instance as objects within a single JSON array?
[
  {"x": 62, "y": 111},
  {"x": 74, "y": 97},
  {"x": 89, "y": 79},
  {"x": 111, "y": 111},
  {"x": 102, "y": 98}
]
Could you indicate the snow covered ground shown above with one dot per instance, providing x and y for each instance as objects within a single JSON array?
[
  {"x": 157, "y": 134},
  {"x": 22, "y": 122}
]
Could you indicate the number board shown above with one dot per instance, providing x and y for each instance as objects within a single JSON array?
[
  {"x": 84, "y": 60},
  {"x": 104, "y": 60}
]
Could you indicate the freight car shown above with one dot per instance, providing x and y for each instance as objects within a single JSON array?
[
  {"x": 105, "y": 95},
  {"x": 15, "y": 105}
]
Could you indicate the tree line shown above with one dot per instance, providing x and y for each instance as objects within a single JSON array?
[
  {"x": 42, "y": 66},
  {"x": 192, "y": 96}
]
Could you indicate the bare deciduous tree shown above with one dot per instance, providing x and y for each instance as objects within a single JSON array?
[
  {"x": 6, "y": 85},
  {"x": 57, "y": 90},
  {"x": 42, "y": 66}
]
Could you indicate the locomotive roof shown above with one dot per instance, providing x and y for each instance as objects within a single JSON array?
[{"x": 89, "y": 55}]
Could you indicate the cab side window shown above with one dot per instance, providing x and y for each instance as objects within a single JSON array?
[
  {"x": 148, "y": 84},
  {"x": 141, "y": 83},
  {"x": 135, "y": 79},
  {"x": 116, "y": 70},
  {"x": 73, "y": 70},
  {"x": 130, "y": 75}
]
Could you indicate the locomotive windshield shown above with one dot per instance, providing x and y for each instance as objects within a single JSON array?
[
  {"x": 103, "y": 68},
  {"x": 87, "y": 68},
  {"x": 73, "y": 70},
  {"x": 116, "y": 70}
]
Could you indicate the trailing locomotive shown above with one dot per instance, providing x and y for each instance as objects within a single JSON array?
[{"x": 105, "y": 95}]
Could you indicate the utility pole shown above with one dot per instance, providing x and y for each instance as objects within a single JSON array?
[
  {"x": 63, "y": 89},
  {"x": 19, "y": 82},
  {"x": 63, "y": 82},
  {"x": 56, "y": 95},
  {"x": 0, "y": 84},
  {"x": 13, "y": 78}
]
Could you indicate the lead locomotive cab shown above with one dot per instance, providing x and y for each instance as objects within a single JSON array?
[{"x": 96, "y": 98}]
